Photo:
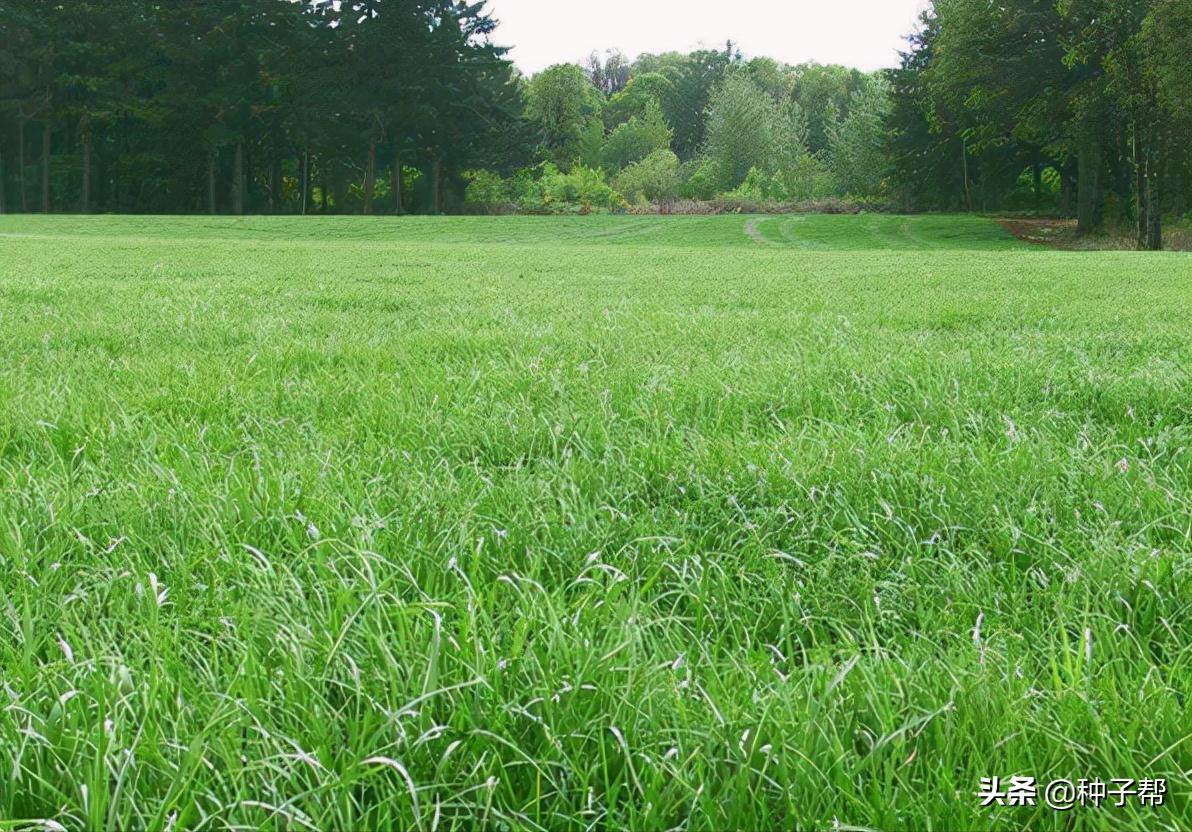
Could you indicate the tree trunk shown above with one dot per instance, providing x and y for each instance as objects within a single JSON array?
[
  {"x": 212, "y": 158},
  {"x": 305, "y": 174},
  {"x": 1067, "y": 189},
  {"x": 1137, "y": 153},
  {"x": 238, "y": 180},
  {"x": 1173, "y": 189},
  {"x": 1154, "y": 209},
  {"x": 45, "y": 167},
  {"x": 1154, "y": 234},
  {"x": 85, "y": 200},
  {"x": 1037, "y": 181},
  {"x": 275, "y": 180},
  {"x": 968, "y": 194},
  {"x": 436, "y": 187},
  {"x": 101, "y": 182},
  {"x": 370, "y": 176},
  {"x": 397, "y": 182},
  {"x": 21, "y": 164},
  {"x": 338, "y": 186},
  {"x": 116, "y": 186},
  {"x": 1089, "y": 215},
  {"x": 252, "y": 201}
]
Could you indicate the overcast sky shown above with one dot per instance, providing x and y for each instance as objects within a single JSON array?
[{"x": 865, "y": 34}]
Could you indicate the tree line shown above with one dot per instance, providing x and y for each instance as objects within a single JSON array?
[
  {"x": 366, "y": 106},
  {"x": 706, "y": 125},
  {"x": 1086, "y": 100},
  {"x": 247, "y": 105}
]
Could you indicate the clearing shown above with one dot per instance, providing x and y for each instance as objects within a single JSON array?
[{"x": 591, "y": 522}]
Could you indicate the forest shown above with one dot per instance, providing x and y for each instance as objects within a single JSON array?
[{"x": 1050, "y": 107}]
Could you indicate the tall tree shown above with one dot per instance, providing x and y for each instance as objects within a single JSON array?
[
  {"x": 559, "y": 102},
  {"x": 685, "y": 103},
  {"x": 743, "y": 130}
]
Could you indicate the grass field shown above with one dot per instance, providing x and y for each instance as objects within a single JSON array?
[{"x": 587, "y": 523}]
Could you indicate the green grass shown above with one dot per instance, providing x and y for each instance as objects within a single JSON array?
[{"x": 587, "y": 523}]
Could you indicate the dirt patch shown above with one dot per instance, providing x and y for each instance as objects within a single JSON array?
[
  {"x": 1061, "y": 234},
  {"x": 1051, "y": 233}
]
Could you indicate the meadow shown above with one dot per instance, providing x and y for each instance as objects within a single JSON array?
[{"x": 524, "y": 523}]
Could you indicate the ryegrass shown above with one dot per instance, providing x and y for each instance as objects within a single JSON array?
[{"x": 587, "y": 523}]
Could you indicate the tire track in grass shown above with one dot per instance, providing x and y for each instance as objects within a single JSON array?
[
  {"x": 791, "y": 239},
  {"x": 913, "y": 237},
  {"x": 754, "y": 231}
]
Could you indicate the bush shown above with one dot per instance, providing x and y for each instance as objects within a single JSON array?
[
  {"x": 758, "y": 187},
  {"x": 542, "y": 190},
  {"x": 485, "y": 188},
  {"x": 700, "y": 183},
  {"x": 581, "y": 187},
  {"x": 652, "y": 186},
  {"x": 808, "y": 178},
  {"x": 655, "y": 178}
]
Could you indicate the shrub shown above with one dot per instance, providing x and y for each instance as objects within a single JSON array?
[
  {"x": 580, "y": 187},
  {"x": 547, "y": 190},
  {"x": 655, "y": 178},
  {"x": 701, "y": 182},
  {"x": 542, "y": 190},
  {"x": 808, "y": 178},
  {"x": 758, "y": 187},
  {"x": 485, "y": 188}
]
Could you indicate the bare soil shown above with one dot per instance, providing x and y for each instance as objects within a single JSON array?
[{"x": 1061, "y": 234}]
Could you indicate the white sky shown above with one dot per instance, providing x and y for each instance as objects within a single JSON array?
[{"x": 865, "y": 34}]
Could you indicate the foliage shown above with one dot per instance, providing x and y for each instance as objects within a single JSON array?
[
  {"x": 702, "y": 179},
  {"x": 807, "y": 178},
  {"x": 824, "y": 93},
  {"x": 693, "y": 77},
  {"x": 307, "y": 106},
  {"x": 992, "y": 89},
  {"x": 759, "y": 187},
  {"x": 656, "y": 178},
  {"x": 559, "y": 102},
  {"x": 743, "y": 131},
  {"x": 544, "y": 190},
  {"x": 637, "y": 138},
  {"x": 589, "y": 145},
  {"x": 247, "y": 105},
  {"x": 928, "y": 157},
  {"x": 857, "y": 144},
  {"x": 580, "y": 187},
  {"x": 636, "y": 97},
  {"x": 486, "y": 187},
  {"x": 1167, "y": 39}
]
